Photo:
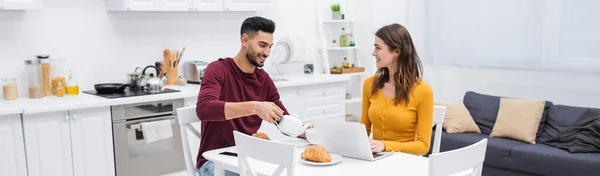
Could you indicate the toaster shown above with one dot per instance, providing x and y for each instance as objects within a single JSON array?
[{"x": 194, "y": 71}]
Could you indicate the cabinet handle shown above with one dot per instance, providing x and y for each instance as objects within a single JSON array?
[
  {"x": 74, "y": 117},
  {"x": 66, "y": 117}
]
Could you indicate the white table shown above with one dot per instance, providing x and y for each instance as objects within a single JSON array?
[{"x": 396, "y": 164}]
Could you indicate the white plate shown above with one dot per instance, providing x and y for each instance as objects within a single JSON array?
[{"x": 335, "y": 158}]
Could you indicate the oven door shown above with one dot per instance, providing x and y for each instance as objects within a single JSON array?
[{"x": 136, "y": 157}]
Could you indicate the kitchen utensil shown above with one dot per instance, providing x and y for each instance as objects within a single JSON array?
[
  {"x": 153, "y": 84},
  {"x": 180, "y": 56},
  {"x": 167, "y": 55},
  {"x": 135, "y": 80},
  {"x": 110, "y": 88},
  {"x": 292, "y": 126}
]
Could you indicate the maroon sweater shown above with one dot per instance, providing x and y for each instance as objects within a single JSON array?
[{"x": 224, "y": 82}]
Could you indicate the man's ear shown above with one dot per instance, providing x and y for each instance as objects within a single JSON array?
[{"x": 245, "y": 38}]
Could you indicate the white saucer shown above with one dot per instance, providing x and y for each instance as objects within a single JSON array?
[{"x": 335, "y": 158}]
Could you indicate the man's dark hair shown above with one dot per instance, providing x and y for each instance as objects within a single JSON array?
[{"x": 252, "y": 25}]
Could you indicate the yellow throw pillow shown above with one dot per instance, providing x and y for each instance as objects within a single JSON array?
[
  {"x": 518, "y": 119},
  {"x": 459, "y": 120}
]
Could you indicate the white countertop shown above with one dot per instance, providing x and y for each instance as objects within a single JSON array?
[{"x": 84, "y": 100}]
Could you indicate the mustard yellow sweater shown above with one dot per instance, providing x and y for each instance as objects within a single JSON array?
[{"x": 401, "y": 128}]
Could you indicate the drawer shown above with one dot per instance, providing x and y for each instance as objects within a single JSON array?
[
  {"x": 337, "y": 109},
  {"x": 325, "y": 90},
  {"x": 317, "y": 95}
]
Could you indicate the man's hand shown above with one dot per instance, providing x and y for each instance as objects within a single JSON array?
[
  {"x": 377, "y": 146},
  {"x": 268, "y": 111}
]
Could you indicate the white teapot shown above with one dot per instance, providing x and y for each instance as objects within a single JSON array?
[{"x": 292, "y": 126}]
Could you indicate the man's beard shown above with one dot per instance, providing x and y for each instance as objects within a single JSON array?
[{"x": 252, "y": 57}]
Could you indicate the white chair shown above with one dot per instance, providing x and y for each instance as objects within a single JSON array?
[
  {"x": 467, "y": 159},
  {"x": 190, "y": 137},
  {"x": 439, "y": 112},
  {"x": 281, "y": 154}
]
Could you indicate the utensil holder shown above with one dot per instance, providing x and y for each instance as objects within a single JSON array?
[{"x": 172, "y": 76}]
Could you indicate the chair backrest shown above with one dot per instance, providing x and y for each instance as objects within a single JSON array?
[
  {"x": 439, "y": 112},
  {"x": 278, "y": 153},
  {"x": 459, "y": 160},
  {"x": 190, "y": 137}
]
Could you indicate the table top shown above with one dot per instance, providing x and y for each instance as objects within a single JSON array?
[{"x": 403, "y": 163}]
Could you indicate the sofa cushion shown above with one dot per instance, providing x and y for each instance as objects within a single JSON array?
[
  {"x": 458, "y": 120},
  {"x": 545, "y": 160},
  {"x": 518, "y": 119},
  {"x": 484, "y": 109},
  {"x": 560, "y": 118}
]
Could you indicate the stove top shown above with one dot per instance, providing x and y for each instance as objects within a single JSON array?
[{"x": 129, "y": 93}]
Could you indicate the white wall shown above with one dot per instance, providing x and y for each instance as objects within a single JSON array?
[
  {"x": 451, "y": 82},
  {"x": 103, "y": 46}
]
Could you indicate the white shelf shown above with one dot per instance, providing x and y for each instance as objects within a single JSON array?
[
  {"x": 337, "y": 21},
  {"x": 344, "y": 48},
  {"x": 354, "y": 100}
]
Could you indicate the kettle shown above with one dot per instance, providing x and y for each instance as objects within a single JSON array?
[
  {"x": 153, "y": 84},
  {"x": 292, "y": 126}
]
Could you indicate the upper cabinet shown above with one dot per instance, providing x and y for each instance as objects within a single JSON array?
[
  {"x": 248, "y": 5},
  {"x": 20, "y": 4},
  {"x": 188, "y": 5},
  {"x": 208, "y": 5}
]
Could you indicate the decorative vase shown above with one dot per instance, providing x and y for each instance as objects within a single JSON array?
[{"x": 337, "y": 15}]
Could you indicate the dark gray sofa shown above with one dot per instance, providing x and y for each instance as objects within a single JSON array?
[{"x": 506, "y": 157}]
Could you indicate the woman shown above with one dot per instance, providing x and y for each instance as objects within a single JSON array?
[{"x": 397, "y": 103}]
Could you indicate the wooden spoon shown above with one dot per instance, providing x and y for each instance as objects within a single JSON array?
[{"x": 167, "y": 55}]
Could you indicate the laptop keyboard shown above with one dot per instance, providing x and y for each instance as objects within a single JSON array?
[{"x": 375, "y": 155}]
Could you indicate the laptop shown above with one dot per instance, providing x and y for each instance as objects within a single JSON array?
[{"x": 348, "y": 139}]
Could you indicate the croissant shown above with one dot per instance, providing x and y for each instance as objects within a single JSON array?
[
  {"x": 316, "y": 154},
  {"x": 261, "y": 135}
]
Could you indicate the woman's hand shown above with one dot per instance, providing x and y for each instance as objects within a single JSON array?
[{"x": 377, "y": 146}]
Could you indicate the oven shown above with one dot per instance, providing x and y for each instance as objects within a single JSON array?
[{"x": 133, "y": 154}]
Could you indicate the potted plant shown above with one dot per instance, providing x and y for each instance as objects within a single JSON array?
[{"x": 335, "y": 12}]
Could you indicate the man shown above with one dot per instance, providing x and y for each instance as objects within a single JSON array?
[{"x": 235, "y": 95}]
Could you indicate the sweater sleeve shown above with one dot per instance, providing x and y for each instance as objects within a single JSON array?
[
  {"x": 208, "y": 106},
  {"x": 424, "y": 125},
  {"x": 366, "y": 95},
  {"x": 274, "y": 96}
]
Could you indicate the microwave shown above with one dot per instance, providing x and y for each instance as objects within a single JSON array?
[{"x": 194, "y": 71}]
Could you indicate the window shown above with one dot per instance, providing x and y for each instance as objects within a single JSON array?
[{"x": 532, "y": 34}]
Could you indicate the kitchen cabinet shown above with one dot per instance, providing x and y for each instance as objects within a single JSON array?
[
  {"x": 189, "y": 5},
  {"x": 208, "y": 5},
  {"x": 12, "y": 149},
  {"x": 20, "y": 4},
  {"x": 67, "y": 143},
  {"x": 315, "y": 102},
  {"x": 189, "y": 102},
  {"x": 92, "y": 141},
  {"x": 248, "y": 5},
  {"x": 289, "y": 98}
]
